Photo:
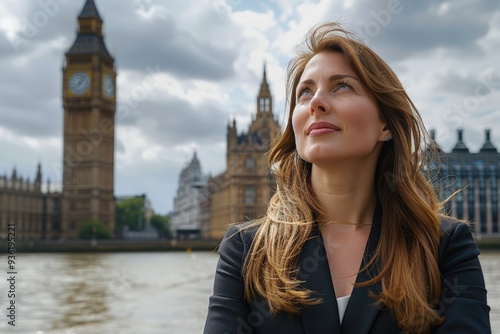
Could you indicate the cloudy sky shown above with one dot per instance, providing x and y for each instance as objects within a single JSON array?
[{"x": 186, "y": 67}]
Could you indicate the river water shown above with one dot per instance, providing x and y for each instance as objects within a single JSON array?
[{"x": 131, "y": 293}]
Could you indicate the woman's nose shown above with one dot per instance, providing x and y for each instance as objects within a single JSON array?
[{"x": 318, "y": 104}]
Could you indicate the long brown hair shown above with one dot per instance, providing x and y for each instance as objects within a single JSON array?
[{"x": 410, "y": 232}]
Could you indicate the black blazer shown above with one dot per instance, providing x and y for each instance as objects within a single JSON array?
[{"x": 462, "y": 302}]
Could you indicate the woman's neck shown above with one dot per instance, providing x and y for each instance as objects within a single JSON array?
[{"x": 346, "y": 194}]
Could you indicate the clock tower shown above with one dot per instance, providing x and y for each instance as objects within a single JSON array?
[{"x": 89, "y": 100}]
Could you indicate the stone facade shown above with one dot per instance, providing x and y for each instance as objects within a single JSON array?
[
  {"x": 244, "y": 189},
  {"x": 36, "y": 214},
  {"x": 188, "y": 215}
]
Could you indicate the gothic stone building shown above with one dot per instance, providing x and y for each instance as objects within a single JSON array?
[
  {"x": 243, "y": 190},
  {"x": 89, "y": 77},
  {"x": 36, "y": 214}
]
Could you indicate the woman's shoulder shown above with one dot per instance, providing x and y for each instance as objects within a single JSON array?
[
  {"x": 239, "y": 236},
  {"x": 450, "y": 224},
  {"x": 457, "y": 240},
  {"x": 242, "y": 227},
  {"x": 244, "y": 230}
]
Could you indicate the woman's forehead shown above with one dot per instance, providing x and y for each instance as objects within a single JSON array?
[{"x": 327, "y": 63}]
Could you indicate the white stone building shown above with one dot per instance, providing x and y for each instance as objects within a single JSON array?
[{"x": 187, "y": 217}]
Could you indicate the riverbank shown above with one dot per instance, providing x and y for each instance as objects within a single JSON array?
[
  {"x": 70, "y": 246},
  {"x": 488, "y": 243},
  {"x": 42, "y": 246}
]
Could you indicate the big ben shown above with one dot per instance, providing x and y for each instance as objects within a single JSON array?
[{"x": 89, "y": 100}]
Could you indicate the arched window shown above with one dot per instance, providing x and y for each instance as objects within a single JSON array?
[
  {"x": 249, "y": 195},
  {"x": 265, "y": 104},
  {"x": 250, "y": 163}
]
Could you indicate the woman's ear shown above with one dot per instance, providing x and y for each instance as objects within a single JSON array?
[{"x": 386, "y": 134}]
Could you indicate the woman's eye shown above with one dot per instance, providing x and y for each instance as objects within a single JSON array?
[
  {"x": 342, "y": 86},
  {"x": 304, "y": 93}
]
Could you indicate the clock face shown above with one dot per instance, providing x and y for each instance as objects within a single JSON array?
[
  {"x": 108, "y": 86},
  {"x": 79, "y": 83}
]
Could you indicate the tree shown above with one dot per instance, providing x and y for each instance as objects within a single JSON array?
[
  {"x": 93, "y": 228},
  {"x": 129, "y": 212},
  {"x": 162, "y": 225}
]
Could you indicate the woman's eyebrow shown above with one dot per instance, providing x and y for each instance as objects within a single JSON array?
[
  {"x": 341, "y": 76},
  {"x": 333, "y": 77}
]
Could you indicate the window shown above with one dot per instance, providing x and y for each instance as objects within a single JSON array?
[
  {"x": 249, "y": 195},
  {"x": 470, "y": 194},
  {"x": 494, "y": 197},
  {"x": 265, "y": 104},
  {"x": 250, "y": 163},
  {"x": 482, "y": 200}
]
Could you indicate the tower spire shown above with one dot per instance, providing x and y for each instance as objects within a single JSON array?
[
  {"x": 460, "y": 146},
  {"x": 433, "y": 138},
  {"x": 264, "y": 99},
  {"x": 89, "y": 39},
  {"x": 89, "y": 11},
  {"x": 264, "y": 76},
  {"x": 38, "y": 177},
  {"x": 488, "y": 146},
  {"x": 264, "y": 86}
]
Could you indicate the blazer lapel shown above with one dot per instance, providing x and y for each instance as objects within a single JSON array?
[
  {"x": 361, "y": 310},
  {"x": 314, "y": 271}
]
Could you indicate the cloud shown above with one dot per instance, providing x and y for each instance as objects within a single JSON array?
[
  {"x": 173, "y": 121},
  {"x": 175, "y": 51},
  {"x": 5, "y": 45},
  {"x": 459, "y": 83},
  {"x": 405, "y": 28}
]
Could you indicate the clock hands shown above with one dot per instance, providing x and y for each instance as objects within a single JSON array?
[{"x": 78, "y": 83}]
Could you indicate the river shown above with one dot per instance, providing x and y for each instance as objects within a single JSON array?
[{"x": 131, "y": 293}]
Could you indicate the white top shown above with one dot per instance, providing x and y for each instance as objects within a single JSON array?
[{"x": 342, "y": 305}]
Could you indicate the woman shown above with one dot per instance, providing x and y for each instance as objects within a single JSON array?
[{"x": 353, "y": 240}]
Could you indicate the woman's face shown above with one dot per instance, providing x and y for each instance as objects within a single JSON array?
[{"x": 335, "y": 117}]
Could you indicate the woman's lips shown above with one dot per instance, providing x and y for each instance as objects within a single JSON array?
[
  {"x": 321, "y": 131},
  {"x": 320, "y": 128}
]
